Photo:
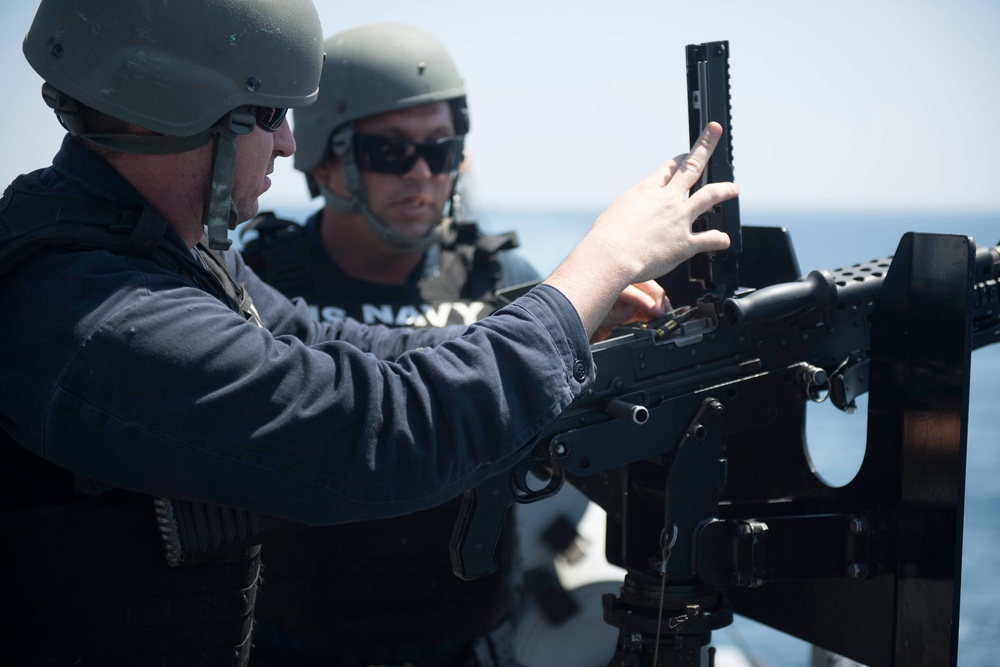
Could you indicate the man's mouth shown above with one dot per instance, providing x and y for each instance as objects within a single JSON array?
[{"x": 413, "y": 205}]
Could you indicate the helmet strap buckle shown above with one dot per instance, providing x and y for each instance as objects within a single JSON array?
[
  {"x": 67, "y": 109},
  {"x": 240, "y": 121}
]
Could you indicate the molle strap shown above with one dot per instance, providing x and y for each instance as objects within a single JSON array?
[
  {"x": 196, "y": 532},
  {"x": 129, "y": 607},
  {"x": 479, "y": 253},
  {"x": 146, "y": 235},
  {"x": 494, "y": 243},
  {"x": 190, "y": 532},
  {"x": 238, "y": 296},
  {"x": 280, "y": 253},
  {"x": 75, "y": 224},
  {"x": 80, "y": 222}
]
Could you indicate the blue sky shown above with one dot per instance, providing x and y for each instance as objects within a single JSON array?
[{"x": 870, "y": 106}]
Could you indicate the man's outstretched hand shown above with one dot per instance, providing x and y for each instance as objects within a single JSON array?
[{"x": 644, "y": 234}]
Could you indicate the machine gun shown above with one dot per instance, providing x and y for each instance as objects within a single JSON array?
[{"x": 693, "y": 440}]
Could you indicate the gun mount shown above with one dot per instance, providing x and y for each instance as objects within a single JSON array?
[{"x": 693, "y": 441}]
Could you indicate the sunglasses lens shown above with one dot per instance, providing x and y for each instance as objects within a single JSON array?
[
  {"x": 385, "y": 155},
  {"x": 443, "y": 155},
  {"x": 270, "y": 118},
  {"x": 392, "y": 155}
]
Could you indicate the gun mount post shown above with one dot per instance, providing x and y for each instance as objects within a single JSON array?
[{"x": 666, "y": 621}]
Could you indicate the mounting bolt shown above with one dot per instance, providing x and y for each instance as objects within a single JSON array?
[{"x": 857, "y": 571}]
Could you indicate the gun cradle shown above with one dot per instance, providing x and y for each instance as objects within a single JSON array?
[{"x": 718, "y": 457}]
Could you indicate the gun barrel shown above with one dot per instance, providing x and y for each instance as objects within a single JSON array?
[{"x": 819, "y": 288}]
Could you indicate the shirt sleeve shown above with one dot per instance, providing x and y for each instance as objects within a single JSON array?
[{"x": 151, "y": 385}]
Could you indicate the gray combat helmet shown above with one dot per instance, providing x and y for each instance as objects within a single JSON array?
[
  {"x": 186, "y": 69},
  {"x": 369, "y": 70}
]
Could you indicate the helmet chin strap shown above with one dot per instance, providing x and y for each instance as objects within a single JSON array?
[
  {"x": 220, "y": 214},
  {"x": 342, "y": 144},
  {"x": 220, "y": 210}
]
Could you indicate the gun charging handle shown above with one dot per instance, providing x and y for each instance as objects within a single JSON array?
[
  {"x": 818, "y": 289},
  {"x": 631, "y": 412}
]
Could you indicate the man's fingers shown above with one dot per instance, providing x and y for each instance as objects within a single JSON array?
[
  {"x": 710, "y": 240},
  {"x": 685, "y": 170},
  {"x": 668, "y": 169},
  {"x": 647, "y": 296},
  {"x": 709, "y": 195}
]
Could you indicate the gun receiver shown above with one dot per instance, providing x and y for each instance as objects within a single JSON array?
[{"x": 812, "y": 338}]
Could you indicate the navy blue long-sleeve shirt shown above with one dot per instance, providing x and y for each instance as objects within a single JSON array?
[{"x": 130, "y": 376}]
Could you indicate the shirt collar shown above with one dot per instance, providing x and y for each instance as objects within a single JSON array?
[
  {"x": 428, "y": 268},
  {"x": 91, "y": 173}
]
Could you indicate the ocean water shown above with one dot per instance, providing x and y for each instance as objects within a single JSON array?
[{"x": 836, "y": 440}]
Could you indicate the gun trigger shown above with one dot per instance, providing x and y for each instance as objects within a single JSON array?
[{"x": 522, "y": 488}]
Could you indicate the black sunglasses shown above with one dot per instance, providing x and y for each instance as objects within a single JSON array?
[
  {"x": 393, "y": 155},
  {"x": 269, "y": 118}
]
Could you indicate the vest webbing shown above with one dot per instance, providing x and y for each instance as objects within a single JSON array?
[
  {"x": 280, "y": 255},
  {"x": 82, "y": 222},
  {"x": 84, "y": 577}
]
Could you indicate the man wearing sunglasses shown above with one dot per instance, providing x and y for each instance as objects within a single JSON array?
[
  {"x": 162, "y": 407},
  {"x": 383, "y": 144}
]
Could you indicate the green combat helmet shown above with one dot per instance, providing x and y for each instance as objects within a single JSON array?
[
  {"x": 369, "y": 70},
  {"x": 187, "y": 69}
]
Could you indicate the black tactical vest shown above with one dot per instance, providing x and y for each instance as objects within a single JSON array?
[
  {"x": 381, "y": 591},
  {"x": 460, "y": 289},
  {"x": 84, "y": 578}
]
